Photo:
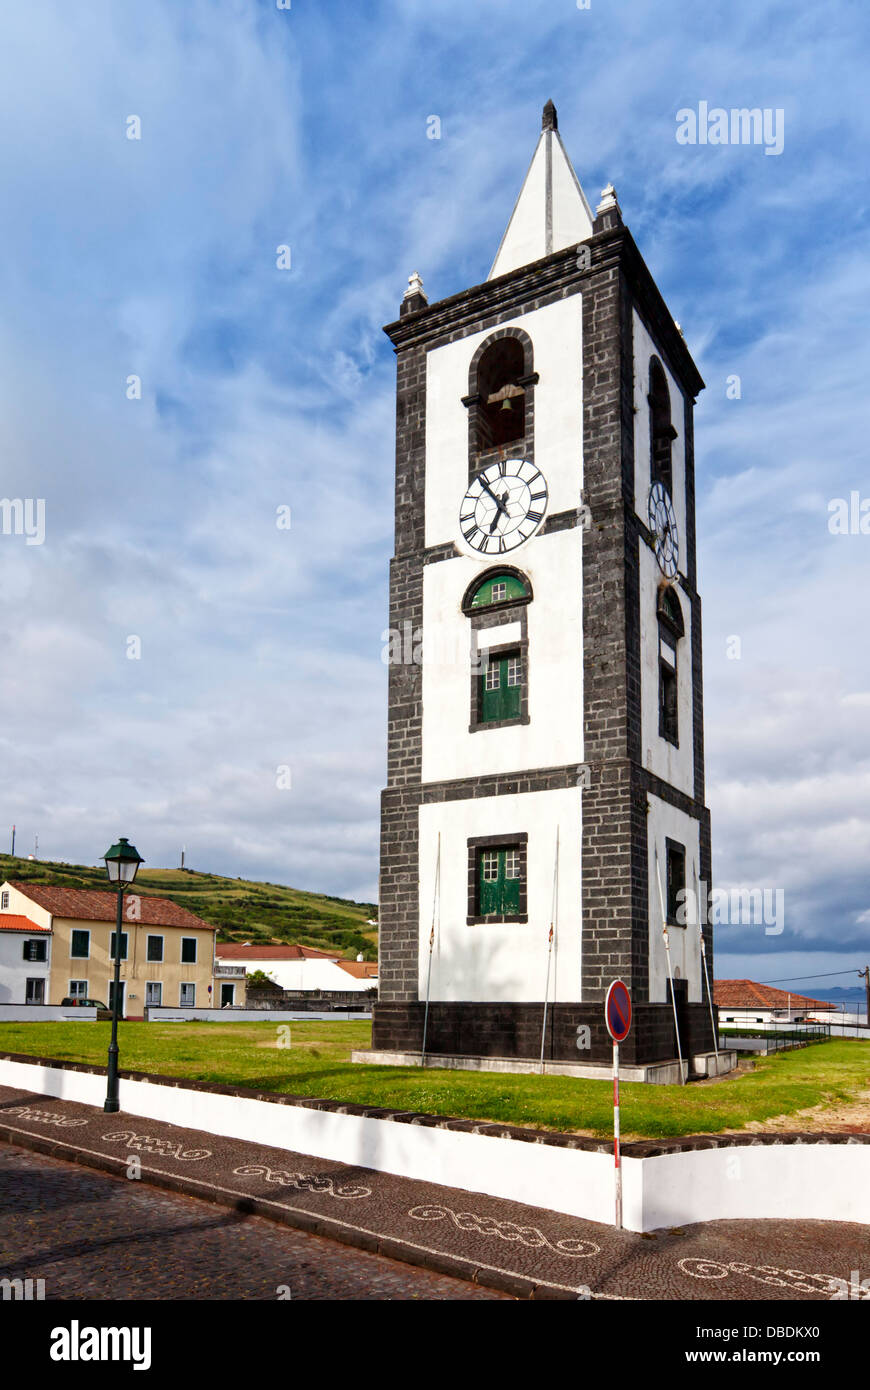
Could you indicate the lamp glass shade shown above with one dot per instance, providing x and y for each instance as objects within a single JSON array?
[{"x": 122, "y": 862}]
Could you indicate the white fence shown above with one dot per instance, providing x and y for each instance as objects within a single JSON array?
[{"x": 45, "y": 1013}]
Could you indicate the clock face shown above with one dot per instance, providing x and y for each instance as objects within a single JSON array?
[
  {"x": 663, "y": 524},
  {"x": 504, "y": 506}
]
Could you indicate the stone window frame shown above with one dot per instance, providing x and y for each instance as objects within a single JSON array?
[
  {"x": 656, "y": 366},
  {"x": 125, "y": 945},
  {"x": 155, "y": 960},
  {"x": 478, "y": 459},
  {"x": 671, "y": 631},
  {"x": 186, "y": 985},
  {"x": 669, "y": 846},
  {"x": 476, "y": 843},
  {"x": 79, "y": 931},
  {"x": 498, "y": 614}
]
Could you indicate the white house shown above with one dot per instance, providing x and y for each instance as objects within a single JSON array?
[
  {"x": 747, "y": 1004},
  {"x": 299, "y": 967},
  {"x": 25, "y": 960}
]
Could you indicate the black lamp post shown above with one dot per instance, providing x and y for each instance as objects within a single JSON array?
[{"x": 122, "y": 861}]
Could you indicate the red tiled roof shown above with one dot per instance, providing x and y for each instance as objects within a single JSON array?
[
  {"x": 234, "y": 950},
  {"x": 361, "y": 969},
  {"x": 92, "y": 905},
  {"x": 11, "y": 921},
  {"x": 746, "y": 994}
]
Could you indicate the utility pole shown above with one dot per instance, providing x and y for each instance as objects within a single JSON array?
[
  {"x": 865, "y": 976},
  {"x": 13, "y": 842}
]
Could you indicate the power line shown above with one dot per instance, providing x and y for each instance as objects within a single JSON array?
[{"x": 784, "y": 980}]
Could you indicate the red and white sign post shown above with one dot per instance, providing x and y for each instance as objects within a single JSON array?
[{"x": 617, "y": 1016}]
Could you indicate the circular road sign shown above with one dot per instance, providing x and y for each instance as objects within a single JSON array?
[{"x": 617, "y": 1011}]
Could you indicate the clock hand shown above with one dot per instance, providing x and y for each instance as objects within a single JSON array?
[{"x": 499, "y": 504}]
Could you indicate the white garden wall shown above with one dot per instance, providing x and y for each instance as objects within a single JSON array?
[{"x": 809, "y": 1181}]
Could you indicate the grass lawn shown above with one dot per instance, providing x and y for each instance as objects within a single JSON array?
[{"x": 318, "y": 1064}]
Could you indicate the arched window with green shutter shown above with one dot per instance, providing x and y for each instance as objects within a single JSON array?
[{"x": 507, "y": 586}]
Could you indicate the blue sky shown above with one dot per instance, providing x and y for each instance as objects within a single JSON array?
[{"x": 263, "y": 388}]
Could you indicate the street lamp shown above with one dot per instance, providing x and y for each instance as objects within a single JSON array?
[{"x": 122, "y": 861}]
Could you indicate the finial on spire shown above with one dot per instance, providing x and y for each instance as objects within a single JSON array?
[
  {"x": 414, "y": 297},
  {"x": 550, "y": 120},
  {"x": 608, "y": 201}
]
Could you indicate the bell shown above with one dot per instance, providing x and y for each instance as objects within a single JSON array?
[{"x": 506, "y": 403}]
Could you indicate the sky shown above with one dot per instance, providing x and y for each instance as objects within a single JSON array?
[{"x": 179, "y": 668}]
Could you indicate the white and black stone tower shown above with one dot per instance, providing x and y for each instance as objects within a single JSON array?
[{"x": 546, "y": 743}]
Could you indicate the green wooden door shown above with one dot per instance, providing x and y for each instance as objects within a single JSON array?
[
  {"x": 501, "y": 688},
  {"x": 499, "y": 882}
]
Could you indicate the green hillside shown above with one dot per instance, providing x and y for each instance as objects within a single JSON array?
[{"x": 244, "y": 910}]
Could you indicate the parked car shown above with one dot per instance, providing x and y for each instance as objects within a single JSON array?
[{"x": 102, "y": 1012}]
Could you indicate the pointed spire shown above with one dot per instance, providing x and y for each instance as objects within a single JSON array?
[{"x": 551, "y": 212}]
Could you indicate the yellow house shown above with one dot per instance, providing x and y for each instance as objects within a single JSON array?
[{"x": 167, "y": 953}]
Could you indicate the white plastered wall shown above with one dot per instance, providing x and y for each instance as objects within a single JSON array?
[
  {"x": 644, "y": 349},
  {"x": 675, "y": 765},
  {"x": 554, "y": 735},
  {"x": 502, "y": 961},
  {"x": 556, "y": 334},
  {"x": 666, "y": 822}
]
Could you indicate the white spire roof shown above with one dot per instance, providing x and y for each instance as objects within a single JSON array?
[{"x": 551, "y": 211}]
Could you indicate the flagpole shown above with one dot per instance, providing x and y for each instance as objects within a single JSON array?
[
  {"x": 668, "y": 954},
  {"x": 704, "y": 960},
  {"x": 435, "y": 901},
  {"x": 553, "y": 912}
]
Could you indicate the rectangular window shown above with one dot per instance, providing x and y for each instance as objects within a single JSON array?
[
  {"x": 188, "y": 950},
  {"x": 123, "y": 945},
  {"x": 668, "y": 717},
  {"x": 78, "y": 989},
  {"x": 34, "y": 992},
  {"x": 35, "y": 950},
  {"x": 155, "y": 948},
  {"x": 499, "y": 592},
  {"x": 4, "y": 900},
  {"x": 80, "y": 944},
  {"x": 187, "y": 996},
  {"x": 154, "y": 992},
  {"x": 676, "y": 882},
  {"x": 501, "y": 687},
  {"x": 499, "y": 882}
]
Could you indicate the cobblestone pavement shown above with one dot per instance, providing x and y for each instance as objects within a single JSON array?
[
  {"x": 519, "y": 1249},
  {"x": 91, "y": 1236}
]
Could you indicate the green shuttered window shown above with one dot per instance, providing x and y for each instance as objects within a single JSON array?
[
  {"x": 501, "y": 686},
  {"x": 499, "y": 881}
]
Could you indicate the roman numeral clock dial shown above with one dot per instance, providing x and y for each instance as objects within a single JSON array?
[{"x": 503, "y": 507}]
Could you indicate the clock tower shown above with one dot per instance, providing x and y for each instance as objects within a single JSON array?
[{"x": 544, "y": 830}]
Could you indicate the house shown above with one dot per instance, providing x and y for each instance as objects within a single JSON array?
[
  {"x": 299, "y": 967},
  {"x": 744, "y": 1003},
  {"x": 25, "y": 960},
  {"x": 167, "y": 953},
  {"x": 366, "y": 970}
]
